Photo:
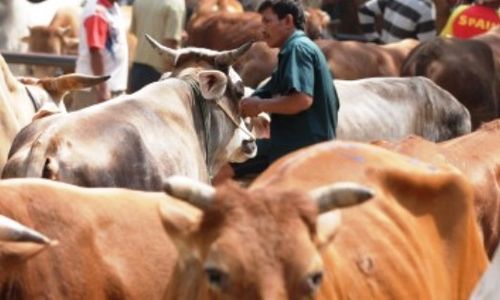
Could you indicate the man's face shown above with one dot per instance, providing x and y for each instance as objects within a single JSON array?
[{"x": 274, "y": 30}]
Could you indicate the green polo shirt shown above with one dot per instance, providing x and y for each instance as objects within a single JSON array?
[{"x": 302, "y": 67}]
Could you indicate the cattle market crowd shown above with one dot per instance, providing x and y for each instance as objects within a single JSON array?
[{"x": 249, "y": 149}]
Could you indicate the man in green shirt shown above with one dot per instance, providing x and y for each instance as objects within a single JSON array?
[{"x": 300, "y": 95}]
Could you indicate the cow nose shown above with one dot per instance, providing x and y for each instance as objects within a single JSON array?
[{"x": 249, "y": 147}]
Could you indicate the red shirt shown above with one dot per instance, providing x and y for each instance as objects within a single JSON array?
[
  {"x": 97, "y": 27},
  {"x": 474, "y": 20}
]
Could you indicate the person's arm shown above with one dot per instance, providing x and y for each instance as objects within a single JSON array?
[
  {"x": 426, "y": 26},
  {"x": 96, "y": 28},
  {"x": 291, "y": 104},
  {"x": 366, "y": 14},
  {"x": 172, "y": 32},
  {"x": 297, "y": 87}
]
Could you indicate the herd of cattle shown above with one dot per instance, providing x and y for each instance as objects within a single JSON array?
[{"x": 118, "y": 202}]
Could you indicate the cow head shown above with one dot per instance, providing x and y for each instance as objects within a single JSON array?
[
  {"x": 260, "y": 244},
  {"x": 45, "y": 39},
  {"x": 217, "y": 88}
]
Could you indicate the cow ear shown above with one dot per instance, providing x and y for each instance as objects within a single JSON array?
[
  {"x": 180, "y": 220},
  {"x": 212, "y": 84},
  {"x": 327, "y": 227}
]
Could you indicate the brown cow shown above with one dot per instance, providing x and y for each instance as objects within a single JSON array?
[
  {"x": 465, "y": 68},
  {"x": 476, "y": 156},
  {"x": 188, "y": 123},
  {"x": 112, "y": 244},
  {"x": 224, "y": 30},
  {"x": 417, "y": 239},
  {"x": 21, "y": 100},
  {"x": 346, "y": 59}
]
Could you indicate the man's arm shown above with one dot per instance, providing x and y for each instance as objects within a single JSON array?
[
  {"x": 174, "y": 24},
  {"x": 97, "y": 30},
  {"x": 291, "y": 104},
  {"x": 97, "y": 65},
  {"x": 366, "y": 14},
  {"x": 426, "y": 27}
]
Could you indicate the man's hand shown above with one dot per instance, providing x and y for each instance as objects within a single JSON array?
[{"x": 251, "y": 106}]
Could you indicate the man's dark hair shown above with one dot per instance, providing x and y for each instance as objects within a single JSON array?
[{"x": 284, "y": 7}]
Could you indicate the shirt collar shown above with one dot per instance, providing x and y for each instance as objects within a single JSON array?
[
  {"x": 105, "y": 3},
  {"x": 296, "y": 34}
]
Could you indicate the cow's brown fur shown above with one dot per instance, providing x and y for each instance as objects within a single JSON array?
[
  {"x": 416, "y": 240},
  {"x": 346, "y": 59},
  {"x": 112, "y": 244},
  {"x": 475, "y": 155},
  {"x": 465, "y": 68}
]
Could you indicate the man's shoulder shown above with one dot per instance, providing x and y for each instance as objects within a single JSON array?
[{"x": 303, "y": 44}]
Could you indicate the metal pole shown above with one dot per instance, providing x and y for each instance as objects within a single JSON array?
[{"x": 43, "y": 59}]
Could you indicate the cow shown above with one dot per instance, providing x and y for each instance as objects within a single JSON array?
[
  {"x": 347, "y": 59},
  {"x": 187, "y": 123},
  {"x": 283, "y": 239},
  {"x": 96, "y": 243},
  {"x": 465, "y": 68},
  {"x": 23, "y": 99},
  {"x": 392, "y": 108},
  {"x": 59, "y": 37},
  {"x": 475, "y": 156},
  {"x": 226, "y": 30}
]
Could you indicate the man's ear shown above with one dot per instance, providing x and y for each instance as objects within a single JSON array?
[{"x": 212, "y": 84}]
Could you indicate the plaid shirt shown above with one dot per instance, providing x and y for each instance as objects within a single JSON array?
[{"x": 401, "y": 19}]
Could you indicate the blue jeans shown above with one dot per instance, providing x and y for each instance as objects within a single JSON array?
[{"x": 141, "y": 75}]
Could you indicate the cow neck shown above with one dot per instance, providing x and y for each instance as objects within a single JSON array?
[
  {"x": 202, "y": 108},
  {"x": 33, "y": 101}
]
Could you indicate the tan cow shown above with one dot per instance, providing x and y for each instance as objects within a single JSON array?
[
  {"x": 476, "y": 156},
  {"x": 21, "y": 100},
  {"x": 111, "y": 242},
  {"x": 417, "y": 239},
  {"x": 187, "y": 123}
]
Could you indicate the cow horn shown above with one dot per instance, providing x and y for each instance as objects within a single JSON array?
[
  {"x": 12, "y": 231},
  {"x": 340, "y": 195},
  {"x": 162, "y": 50},
  {"x": 197, "y": 193},
  {"x": 228, "y": 57},
  {"x": 70, "y": 82}
]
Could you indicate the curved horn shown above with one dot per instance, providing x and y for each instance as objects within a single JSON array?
[
  {"x": 162, "y": 50},
  {"x": 70, "y": 82},
  {"x": 340, "y": 195},
  {"x": 228, "y": 57},
  {"x": 12, "y": 231},
  {"x": 197, "y": 193}
]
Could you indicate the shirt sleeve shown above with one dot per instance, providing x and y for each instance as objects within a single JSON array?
[
  {"x": 174, "y": 21},
  {"x": 426, "y": 27},
  {"x": 298, "y": 72},
  {"x": 265, "y": 91},
  {"x": 366, "y": 14},
  {"x": 97, "y": 31}
]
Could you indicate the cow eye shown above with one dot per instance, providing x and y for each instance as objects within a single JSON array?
[
  {"x": 314, "y": 280},
  {"x": 216, "y": 278}
]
